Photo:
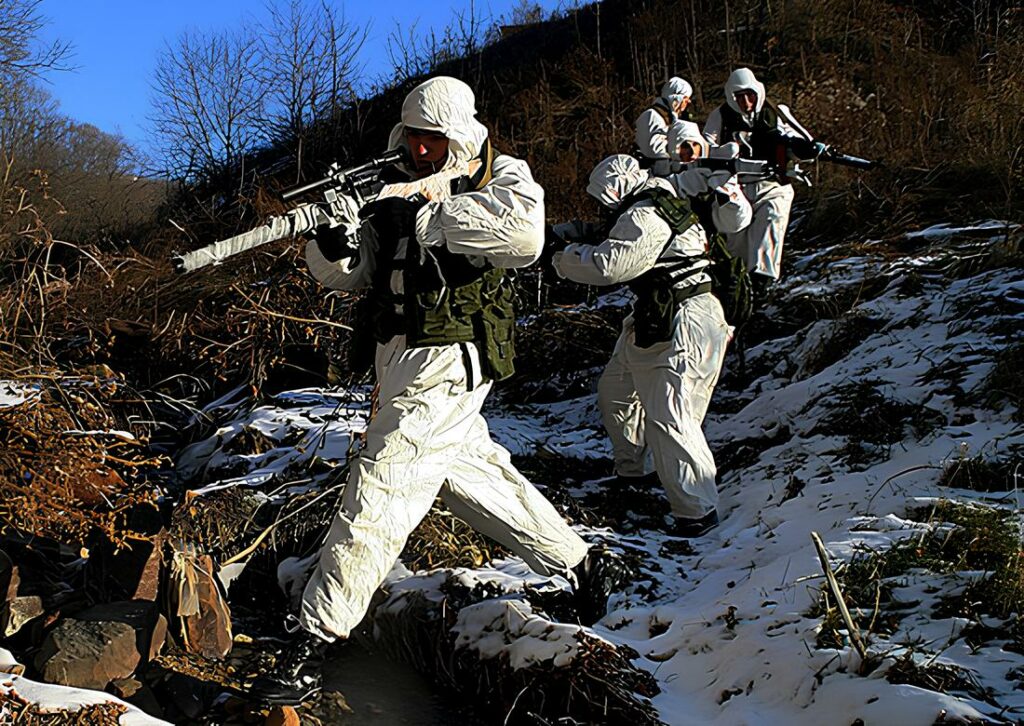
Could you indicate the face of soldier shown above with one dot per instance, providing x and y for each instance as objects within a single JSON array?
[
  {"x": 679, "y": 106},
  {"x": 689, "y": 150},
  {"x": 746, "y": 100},
  {"x": 429, "y": 149}
]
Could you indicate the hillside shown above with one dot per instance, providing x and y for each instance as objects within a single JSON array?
[{"x": 170, "y": 440}]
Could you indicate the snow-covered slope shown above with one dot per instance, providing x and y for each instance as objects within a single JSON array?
[{"x": 871, "y": 381}]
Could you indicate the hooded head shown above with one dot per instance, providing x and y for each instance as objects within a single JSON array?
[
  {"x": 615, "y": 178},
  {"x": 685, "y": 131},
  {"x": 446, "y": 106},
  {"x": 675, "y": 90},
  {"x": 742, "y": 79}
]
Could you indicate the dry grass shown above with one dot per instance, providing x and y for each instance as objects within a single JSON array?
[{"x": 14, "y": 710}]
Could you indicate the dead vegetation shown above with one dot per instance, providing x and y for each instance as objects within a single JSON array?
[
  {"x": 959, "y": 539},
  {"x": 1005, "y": 384},
  {"x": 14, "y": 710},
  {"x": 980, "y": 474},
  {"x": 599, "y": 684}
]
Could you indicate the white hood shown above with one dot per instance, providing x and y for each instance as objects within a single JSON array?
[
  {"x": 743, "y": 79},
  {"x": 675, "y": 90},
  {"x": 615, "y": 178},
  {"x": 448, "y": 106},
  {"x": 682, "y": 131}
]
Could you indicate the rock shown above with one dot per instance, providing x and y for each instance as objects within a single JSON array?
[
  {"x": 19, "y": 611},
  {"x": 125, "y": 687},
  {"x": 203, "y": 619},
  {"x": 149, "y": 624},
  {"x": 129, "y": 574},
  {"x": 88, "y": 654},
  {"x": 9, "y": 578},
  {"x": 283, "y": 716}
]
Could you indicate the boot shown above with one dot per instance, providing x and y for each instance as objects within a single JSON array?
[
  {"x": 295, "y": 677},
  {"x": 600, "y": 574},
  {"x": 689, "y": 528}
]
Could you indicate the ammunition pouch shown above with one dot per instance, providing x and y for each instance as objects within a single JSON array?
[{"x": 655, "y": 310}]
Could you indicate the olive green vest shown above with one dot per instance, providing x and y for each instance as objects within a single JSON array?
[
  {"x": 446, "y": 298},
  {"x": 657, "y": 296}
]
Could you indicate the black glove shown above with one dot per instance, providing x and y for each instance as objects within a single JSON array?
[
  {"x": 394, "y": 217},
  {"x": 334, "y": 244},
  {"x": 552, "y": 244},
  {"x": 805, "y": 150}
]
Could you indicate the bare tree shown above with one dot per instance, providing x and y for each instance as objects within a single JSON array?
[
  {"x": 209, "y": 102},
  {"x": 20, "y": 54},
  {"x": 309, "y": 66},
  {"x": 412, "y": 53}
]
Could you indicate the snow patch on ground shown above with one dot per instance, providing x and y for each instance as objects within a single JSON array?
[
  {"x": 15, "y": 393},
  {"x": 50, "y": 697}
]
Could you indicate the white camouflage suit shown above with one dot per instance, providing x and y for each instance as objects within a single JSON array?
[
  {"x": 654, "y": 399},
  {"x": 428, "y": 436},
  {"x": 652, "y": 127},
  {"x": 760, "y": 244}
]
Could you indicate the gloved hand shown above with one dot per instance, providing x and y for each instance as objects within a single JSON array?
[
  {"x": 394, "y": 217},
  {"x": 336, "y": 243},
  {"x": 805, "y": 150},
  {"x": 553, "y": 242}
]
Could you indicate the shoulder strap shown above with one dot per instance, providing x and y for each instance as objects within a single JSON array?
[
  {"x": 665, "y": 114},
  {"x": 675, "y": 210},
  {"x": 486, "y": 171},
  {"x": 769, "y": 115}
]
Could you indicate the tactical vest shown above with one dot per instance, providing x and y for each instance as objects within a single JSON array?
[
  {"x": 446, "y": 298},
  {"x": 764, "y": 132},
  {"x": 657, "y": 292}
]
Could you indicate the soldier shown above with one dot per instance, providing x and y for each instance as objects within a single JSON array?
[
  {"x": 653, "y": 124},
  {"x": 441, "y": 312},
  {"x": 749, "y": 119},
  {"x": 655, "y": 390}
]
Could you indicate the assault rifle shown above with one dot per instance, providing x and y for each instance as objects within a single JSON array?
[
  {"x": 802, "y": 150},
  {"x": 356, "y": 183}
]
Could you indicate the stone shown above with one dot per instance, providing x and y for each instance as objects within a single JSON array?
[
  {"x": 128, "y": 574},
  {"x": 14, "y": 615},
  {"x": 283, "y": 716},
  {"x": 143, "y": 616},
  {"x": 125, "y": 687},
  {"x": 9, "y": 578},
  {"x": 88, "y": 654}
]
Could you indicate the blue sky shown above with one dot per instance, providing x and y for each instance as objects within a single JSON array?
[{"x": 116, "y": 43}]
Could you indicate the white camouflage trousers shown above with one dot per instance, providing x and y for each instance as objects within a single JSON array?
[
  {"x": 428, "y": 438},
  {"x": 760, "y": 244},
  {"x": 654, "y": 400}
]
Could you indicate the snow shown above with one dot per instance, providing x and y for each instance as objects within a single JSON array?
[
  {"x": 947, "y": 230},
  {"x": 50, "y": 697},
  {"x": 727, "y": 631},
  {"x": 15, "y": 393}
]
